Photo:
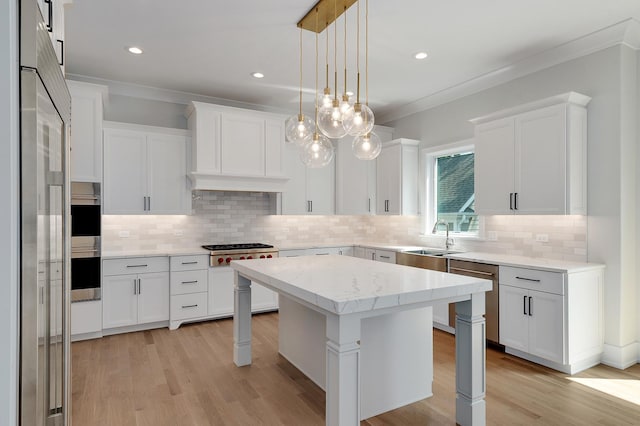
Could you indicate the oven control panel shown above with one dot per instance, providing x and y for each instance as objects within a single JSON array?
[{"x": 225, "y": 259}]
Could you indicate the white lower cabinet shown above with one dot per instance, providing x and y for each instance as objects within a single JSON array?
[
  {"x": 552, "y": 318},
  {"x": 189, "y": 289},
  {"x": 86, "y": 320},
  {"x": 221, "y": 294},
  {"x": 140, "y": 297}
]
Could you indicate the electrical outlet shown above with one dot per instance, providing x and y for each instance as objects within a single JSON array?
[
  {"x": 123, "y": 234},
  {"x": 492, "y": 236},
  {"x": 542, "y": 238}
]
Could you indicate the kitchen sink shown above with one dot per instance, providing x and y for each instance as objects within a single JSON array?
[{"x": 431, "y": 252}]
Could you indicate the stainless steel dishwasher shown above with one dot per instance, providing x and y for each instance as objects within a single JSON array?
[{"x": 489, "y": 272}]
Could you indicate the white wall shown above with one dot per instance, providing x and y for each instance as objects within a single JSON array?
[
  {"x": 610, "y": 140},
  {"x": 9, "y": 259},
  {"x": 127, "y": 109}
]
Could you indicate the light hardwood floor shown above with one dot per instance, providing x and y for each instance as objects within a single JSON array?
[{"x": 187, "y": 377}]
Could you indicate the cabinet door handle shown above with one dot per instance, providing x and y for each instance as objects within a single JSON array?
[
  {"x": 311, "y": 206},
  {"x": 189, "y": 306},
  {"x": 144, "y": 203},
  {"x": 511, "y": 201},
  {"x": 190, "y": 282},
  {"x": 135, "y": 286},
  {"x": 530, "y": 311},
  {"x": 470, "y": 271},
  {"x": 61, "y": 42},
  {"x": 524, "y": 305},
  {"x": 369, "y": 206},
  {"x": 528, "y": 279},
  {"x": 373, "y": 256},
  {"x": 515, "y": 201},
  {"x": 49, "y": 15},
  {"x": 139, "y": 285},
  {"x": 149, "y": 203},
  {"x": 137, "y": 266}
]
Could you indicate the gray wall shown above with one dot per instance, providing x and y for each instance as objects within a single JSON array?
[
  {"x": 9, "y": 260},
  {"x": 611, "y": 221}
]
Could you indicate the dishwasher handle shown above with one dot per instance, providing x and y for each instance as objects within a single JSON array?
[{"x": 471, "y": 271}]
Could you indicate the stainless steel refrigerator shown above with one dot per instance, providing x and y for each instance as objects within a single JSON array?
[{"x": 44, "y": 293}]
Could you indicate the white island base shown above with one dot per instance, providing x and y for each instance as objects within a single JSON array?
[{"x": 396, "y": 353}]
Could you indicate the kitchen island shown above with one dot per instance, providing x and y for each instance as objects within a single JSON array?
[{"x": 347, "y": 291}]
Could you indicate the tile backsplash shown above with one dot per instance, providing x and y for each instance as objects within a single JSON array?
[{"x": 228, "y": 217}]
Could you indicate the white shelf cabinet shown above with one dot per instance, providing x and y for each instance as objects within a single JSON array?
[
  {"x": 145, "y": 170},
  {"x": 355, "y": 178},
  {"x": 532, "y": 159},
  {"x": 135, "y": 291},
  {"x": 308, "y": 191},
  {"x": 552, "y": 318},
  {"x": 87, "y": 101},
  {"x": 189, "y": 283},
  {"x": 235, "y": 149},
  {"x": 397, "y": 178}
]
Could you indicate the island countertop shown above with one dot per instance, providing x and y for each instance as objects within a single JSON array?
[{"x": 343, "y": 285}]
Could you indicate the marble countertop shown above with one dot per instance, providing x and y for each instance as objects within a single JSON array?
[
  {"x": 552, "y": 265},
  {"x": 151, "y": 253},
  {"x": 343, "y": 284}
]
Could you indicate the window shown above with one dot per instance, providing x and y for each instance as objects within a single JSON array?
[{"x": 450, "y": 189}]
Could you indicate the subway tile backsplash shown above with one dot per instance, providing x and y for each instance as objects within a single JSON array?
[{"x": 230, "y": 217}]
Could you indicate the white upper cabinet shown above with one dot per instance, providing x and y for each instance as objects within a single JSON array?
[
  {"x": 308, "y": 191},
  {"x": 532, "y": 159},
  {"x": 53, "y": 16},
  {"x": 355, "y": 178},
  {"x": 397, "y": 178},
  {"x": 234, "y": 149},
  {"x": 87, "y": 102},
  {"x": 145, "y": 170}
]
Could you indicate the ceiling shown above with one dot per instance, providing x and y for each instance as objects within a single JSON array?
[{"x": 210, "y": 47}]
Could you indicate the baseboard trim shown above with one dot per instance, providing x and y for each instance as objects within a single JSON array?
[{"x": 621, "y": 357}]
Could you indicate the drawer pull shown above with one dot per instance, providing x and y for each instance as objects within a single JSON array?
[
  {"x": 190, "y": 263},
  {"x": 384, "y": 257},
  {"x": 528, "y": 279},
  {"x": 137, "y": 266},
  {"x": 190, "y": 282},
  {"x": 189, "y": 306},
  {"x": 471, "y": 271},
  {"x": 322, "y": 254}
]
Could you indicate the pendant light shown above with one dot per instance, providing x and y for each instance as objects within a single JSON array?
[
  {"x": 345, "y": 104},
  {"x": 330, "y": 120},
  {"x": 318, "y": 152},
  {"x": 360, "y": 120},
  {"x": 367, "y": 146},
  {"x": 299, "y": 128}
]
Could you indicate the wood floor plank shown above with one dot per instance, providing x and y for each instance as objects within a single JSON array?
[{"x": 187, "y": 377}]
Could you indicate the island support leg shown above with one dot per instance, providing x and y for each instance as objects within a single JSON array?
[
  {"x": 343, "y": 370},
  {"x": 242, "y": 321},
  {"x": 470, "y": 361}
]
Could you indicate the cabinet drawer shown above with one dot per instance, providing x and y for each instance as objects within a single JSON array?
[
  {"x": 386, "y": 256},
  {"x": 532, "y": 279},
  {"x": 189, "y": 263},
  {"x": 184, "y": 282},
  {"x": 185, "y": 306},
  {"x": 135, "y": 265}
]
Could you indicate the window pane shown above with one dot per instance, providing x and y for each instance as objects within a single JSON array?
[{"x": 455, "y": 198}]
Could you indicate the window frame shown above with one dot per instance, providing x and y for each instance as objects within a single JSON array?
[{"x": 428, "y": 186}]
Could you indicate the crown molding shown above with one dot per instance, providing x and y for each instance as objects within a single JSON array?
[
  {"x": 625, "y": 33},
  {"x": 121, "y": 88}
]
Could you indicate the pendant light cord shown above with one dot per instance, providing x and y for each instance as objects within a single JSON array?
[
  {"x": 300, "y": 73},
  {"x": 316, "y": 101},
  {"x": 335, "y": 48},
  {"x": 358, "y": 53},
  {"x": 366, "y": 51},
  {"x": 345, "y": 51}
]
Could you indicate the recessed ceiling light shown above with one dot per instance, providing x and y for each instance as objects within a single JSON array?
[
  {"x": 420, "y": 55},
  {"x": 349, "y": 93},
  {"x": 135, "y": 50},
  {"x": 257, "y": 75}
]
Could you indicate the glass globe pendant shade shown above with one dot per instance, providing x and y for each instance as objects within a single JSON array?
[
  {"x": 330, "y": 121},
  {"x": 299, "y": 129},
  {"x": 326, "y": 99},
  {"x": 318, "y": 152},
  {"x": 359, "y": 120},
  {"x": 367, "y": 146},
  {"x": 345, "y": 105}
]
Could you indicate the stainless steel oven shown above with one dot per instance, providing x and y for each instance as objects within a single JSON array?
[{"x": 85, "y": 241}]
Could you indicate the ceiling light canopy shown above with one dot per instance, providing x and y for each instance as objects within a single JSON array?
[
  {"x": 336, "y": 117},
  {"x": 134, "y": 50}
]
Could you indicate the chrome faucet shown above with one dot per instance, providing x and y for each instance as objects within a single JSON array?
[{"x": 448, "y": 241}]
